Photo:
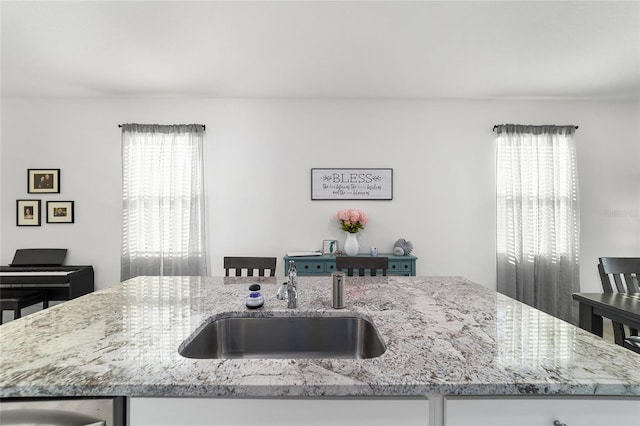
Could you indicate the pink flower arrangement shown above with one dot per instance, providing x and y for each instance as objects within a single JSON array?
[{"x": 351, "y": 220}]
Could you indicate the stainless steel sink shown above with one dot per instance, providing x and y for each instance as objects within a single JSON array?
[{"x": 285, "y": 337}]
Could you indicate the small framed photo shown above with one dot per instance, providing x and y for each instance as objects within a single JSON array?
[
  {"x": 45, "y": 181},
  {"x": 329, "y": 246},
  {"x": 28, "y": 213},
  {"x": 60, "y": 212}
]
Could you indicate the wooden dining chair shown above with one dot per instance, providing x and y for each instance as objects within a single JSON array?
[
  {"x": 249, "y": 264},
  {"x": 621, "y": 275},
  {"x": 362, "y": 264}
]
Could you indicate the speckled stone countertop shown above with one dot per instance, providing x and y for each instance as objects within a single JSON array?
[{"x": 444, "y": 336}]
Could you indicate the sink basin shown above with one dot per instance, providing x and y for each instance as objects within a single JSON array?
[{"x": 285, "y": 337}]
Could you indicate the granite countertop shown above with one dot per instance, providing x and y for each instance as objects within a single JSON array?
[{"x": 444, "y": 336}]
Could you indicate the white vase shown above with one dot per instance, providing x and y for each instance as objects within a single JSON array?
[{"x": 351, "y": 245}]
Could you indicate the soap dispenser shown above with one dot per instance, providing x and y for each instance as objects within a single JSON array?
[
  {"x": 254, "y": 299},
  {"x": 338, "y": 290}
]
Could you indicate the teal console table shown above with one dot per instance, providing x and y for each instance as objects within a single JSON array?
[{"x": 326, "y": 264}]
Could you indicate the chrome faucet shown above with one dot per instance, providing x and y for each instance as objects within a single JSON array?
[{"x": 292, "y": 284}]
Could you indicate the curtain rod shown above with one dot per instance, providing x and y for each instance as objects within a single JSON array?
[
  {"x": 498, "y": 125},
  {"x": 204, "y": 127}
]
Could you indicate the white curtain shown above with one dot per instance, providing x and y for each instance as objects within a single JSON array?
[
  {"x": 538, "y": 228},
  {"x": 163, "y": 200}
]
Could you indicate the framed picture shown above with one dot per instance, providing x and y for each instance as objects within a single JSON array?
[
  {"x": 60, "y": 212},
  {"x": 329, "y": 246},
  {"x": 28, "y": 213},
  {"x": 351, "y": 184},
  {"x": 41, "y": 181}
]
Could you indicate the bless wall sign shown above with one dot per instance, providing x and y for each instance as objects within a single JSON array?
[{"x": 351, "y": 184}]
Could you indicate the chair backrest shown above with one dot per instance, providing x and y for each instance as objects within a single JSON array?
[
  {"x": 362, "y": 264},
  {"x": 248, "y": 264},
  {"x": 623, "y": 271}
]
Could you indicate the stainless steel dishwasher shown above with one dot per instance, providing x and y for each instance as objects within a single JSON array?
[{"x": 63, "y": 411}]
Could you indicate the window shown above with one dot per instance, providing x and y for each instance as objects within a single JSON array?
[
  {"x": 537, "y": 216},
  {"x": 163, "y": 200}
]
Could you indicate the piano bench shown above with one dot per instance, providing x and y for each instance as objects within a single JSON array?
[{"x": 15, "y": 300}]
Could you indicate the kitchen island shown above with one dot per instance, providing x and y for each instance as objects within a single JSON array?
[{"x": 445, "y": 336}]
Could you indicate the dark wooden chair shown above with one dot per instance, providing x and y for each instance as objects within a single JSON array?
[
  {"x": 362, "y": 264},
  {"x": 621, "y": 275},
  {"x": 248, "y": 264},
  {"x": 15, "y": 300}
]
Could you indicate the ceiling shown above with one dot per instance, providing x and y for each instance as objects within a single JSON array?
[{"x": 322, "y": 49}]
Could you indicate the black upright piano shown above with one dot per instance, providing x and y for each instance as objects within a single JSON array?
[{"x": 43, "y": 270}]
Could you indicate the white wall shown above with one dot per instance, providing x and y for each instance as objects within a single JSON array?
[{"x": 258, "y": 159}]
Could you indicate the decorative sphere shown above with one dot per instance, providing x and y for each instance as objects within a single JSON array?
[
  {"x": 398, "y": 251},
  {"x": 403, "y": 244}
]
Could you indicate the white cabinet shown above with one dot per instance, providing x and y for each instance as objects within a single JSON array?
[
  {"x": 383, "y": 411},
  {"x": 386, "y": 411},
  {"x": 541, "y": 411}
]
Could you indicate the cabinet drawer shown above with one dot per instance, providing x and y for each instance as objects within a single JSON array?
[
  {"x": 524, "y": 411},
  {"x": 279, "y": 411},
  {"x": 400, "y": 267},
  {"x": 307, "y": 268}
]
